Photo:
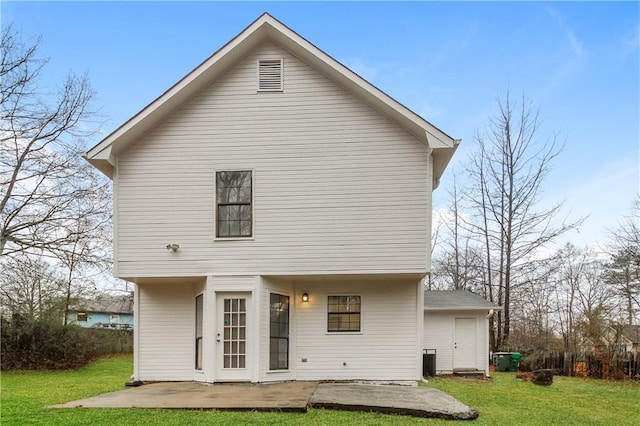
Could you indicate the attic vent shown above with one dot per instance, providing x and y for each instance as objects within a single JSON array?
[{"x": 270, "y": 74}]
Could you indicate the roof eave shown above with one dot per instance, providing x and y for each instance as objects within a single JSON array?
[
  {"x": 464, "y": 308},
  {"x": 441, "y": 158}
]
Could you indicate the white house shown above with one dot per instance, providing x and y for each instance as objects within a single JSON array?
[
  {"x": 456, "y": 326},
  {"x": 274, "y": 211}
]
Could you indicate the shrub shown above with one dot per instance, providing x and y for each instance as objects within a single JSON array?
[{"x": 46, "y": 344}]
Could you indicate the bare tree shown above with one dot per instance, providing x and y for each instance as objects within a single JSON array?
[
  {"x": 41, "y": 172},
  {"x": 507, "y": 174},
  {"x": 28, "y": 286},
  {"x": 85, "y": 256},
  {"x": 623, "y": 272},
  {"x": 458, "y": 262},
  {"x": 578, "y": 292}
]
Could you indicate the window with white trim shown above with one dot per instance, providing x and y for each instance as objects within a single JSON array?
[
  {"x": 278, "y": 332},
  {"x": 343, "y": 313},
  {"x": 270, "y": 75},
  {"x": 233, "y": 204},
  {"x": 199, "y": 333}
]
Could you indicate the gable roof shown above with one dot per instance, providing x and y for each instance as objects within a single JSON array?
[
  {"x": 632, "y": 333},
  {"x": 102, "y": 156},
  {"x": 105, "y": 303},
  {"x": 441, "y": 300}
]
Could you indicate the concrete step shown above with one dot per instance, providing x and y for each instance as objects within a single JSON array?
[{"x": 468, "y": 372}]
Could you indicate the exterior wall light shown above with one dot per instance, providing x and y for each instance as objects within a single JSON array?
[
  {"x": 173, "y": 247},
  {"x": 305, "y": 297}
]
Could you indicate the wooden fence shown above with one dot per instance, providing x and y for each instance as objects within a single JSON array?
[{"x": 587, "y": 365}]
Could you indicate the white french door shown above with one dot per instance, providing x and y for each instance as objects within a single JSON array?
[{"x": 233, "y": 356}]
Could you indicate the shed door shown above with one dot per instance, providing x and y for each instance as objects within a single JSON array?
[{"x": 464, "y": 345}]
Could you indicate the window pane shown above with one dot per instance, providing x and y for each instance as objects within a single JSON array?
[
  {"x": 234, "y": 229},
  {"x": 234, "y": 212},
  {"x": 222, "y": 193},
  {"x": 223, "y": 213},
  {"x": 199, "y": 316},
  {"x": 245, "y": 212},
  {"x": 223, "y": 228},
  {"x": 334, "y": 322}
]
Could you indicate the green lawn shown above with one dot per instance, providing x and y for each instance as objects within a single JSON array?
[
  {"x": 568, "y": 401},
  {"x": 506, "y": 400}
]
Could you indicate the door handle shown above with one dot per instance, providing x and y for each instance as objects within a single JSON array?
[{"x": 218, "y": 338}]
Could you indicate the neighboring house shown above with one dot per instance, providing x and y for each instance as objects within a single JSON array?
[
  {"x": 274, "y": 211},
  {"x": 630, "y": 338},
  {"x": 456, "y": 325},
  {"x": 618, "y": 339},
  {"x": 105, "y": 311}
]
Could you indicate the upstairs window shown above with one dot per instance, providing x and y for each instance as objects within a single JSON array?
[
  {"x": 343, "y": 313},
  {"x": 233, "y": 204},
  {"x": 270, "y": 75}
]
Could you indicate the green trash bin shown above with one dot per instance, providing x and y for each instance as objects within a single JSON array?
[
  {"x": 502, "y": 361},
  {"x": 515, "y": 361}
]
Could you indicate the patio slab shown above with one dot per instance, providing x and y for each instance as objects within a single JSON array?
[
  {"x": 415, "y": 401},
  {"x": 289, "y": 396},
  {"x": 286, "y": 396}
]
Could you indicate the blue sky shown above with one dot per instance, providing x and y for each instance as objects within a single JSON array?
[{"x": 578, "y": 62}]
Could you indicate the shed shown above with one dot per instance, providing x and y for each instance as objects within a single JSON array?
[{"x": 456, "y": 325}]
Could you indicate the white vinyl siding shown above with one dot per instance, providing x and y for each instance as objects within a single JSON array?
[
  {"x": 386, "y": 347},
  {"x": 439, "y": 334},
  {"x": 166, "y": 333},
  {"x": 339, "y": 188}
]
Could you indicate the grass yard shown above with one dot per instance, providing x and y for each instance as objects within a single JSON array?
[
  {"x": 568, "y": 401},
  {"x": 506, "y": 400}
]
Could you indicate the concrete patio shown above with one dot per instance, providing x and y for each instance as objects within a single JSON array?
[{"x": 286, "y": 396}]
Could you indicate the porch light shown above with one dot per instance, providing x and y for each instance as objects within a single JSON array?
[{"x": 305, "y": 297}]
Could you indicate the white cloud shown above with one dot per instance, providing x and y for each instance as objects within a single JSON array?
[
  {"x": 575, "y": 44},
  {"x": 365, "y": 71},
  {"x": 604, "y": 196}
]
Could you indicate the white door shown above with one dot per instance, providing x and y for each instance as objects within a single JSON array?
[
  {"x": 232, "y": 337},
  {"x": 464, "y": 345}
]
